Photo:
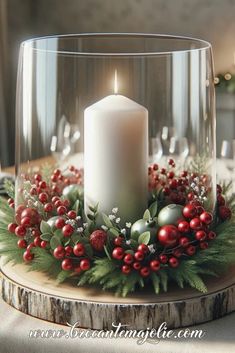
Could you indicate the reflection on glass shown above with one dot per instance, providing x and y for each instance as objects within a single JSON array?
[
  {"x": 157, "y": 150},
  {"x": 179, "y": 148}
]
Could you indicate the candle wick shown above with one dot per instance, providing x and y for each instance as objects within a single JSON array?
[{"x": 115, "y": 83}]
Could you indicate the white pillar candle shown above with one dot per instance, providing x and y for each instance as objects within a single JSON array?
[{"x": 116, "y": 157}]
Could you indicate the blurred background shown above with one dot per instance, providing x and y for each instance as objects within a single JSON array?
[{"x": 212, "y": 20}]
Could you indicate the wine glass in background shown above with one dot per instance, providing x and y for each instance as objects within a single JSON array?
[
  {"x": 157, "y": 150},
  {"x": 179, "y": 149},
  {"x": 227, "y": 154},
  {"x": 72, "y": 135},
  {"x": 63, "y": 144},
  {"x": 166, "y": 134}
]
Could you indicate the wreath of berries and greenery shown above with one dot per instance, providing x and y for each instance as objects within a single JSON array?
[{"x": 178, "y": 239}]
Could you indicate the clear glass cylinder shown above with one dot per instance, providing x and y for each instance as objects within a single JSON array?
[{"x": 60, "y": 76}]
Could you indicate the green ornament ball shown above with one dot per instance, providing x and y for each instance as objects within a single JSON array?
[
  {"x": 73, "y": 192},
  {"x": 170, "y": 214},
  {"x": 142, "y": 226}
]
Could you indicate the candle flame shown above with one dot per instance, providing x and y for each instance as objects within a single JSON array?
[{"x": 115, "y": 83}]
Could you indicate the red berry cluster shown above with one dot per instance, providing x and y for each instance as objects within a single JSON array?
[
  {"x": 191, "y": 233},
  {"x": 224, "y": 212},
  {"x": 134, "y": 262},
  {"x": 27, "y": 224},
  {"x": 49, "y": 203},
  {"x": 43, "y": 191},
  {"x": 78, "y": 263},
  {"x": 177, "y": 189}
]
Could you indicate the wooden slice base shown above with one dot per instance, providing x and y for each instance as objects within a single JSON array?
[{"x": 34, "y": 294}]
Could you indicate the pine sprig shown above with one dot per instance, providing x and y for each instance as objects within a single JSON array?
[{"x": 9, "y": 187}]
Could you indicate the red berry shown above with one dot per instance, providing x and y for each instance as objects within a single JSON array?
[
  {"x": 184, "y": 242},
  {"x": 184, "y": 174},
  {"x": 25, "y": 222},
  {"x": 58, "y": 203},
  {"x": 225, "y": 213},
  {"x": 22, "y": 243},
  {"x": 166, "y": 191},
  {"x": 170, "y": 174},
  {"x": 59, "y": 252},
  {"x": 189, "y": 211},
  {"x": 11, "y": 227},
  {"x": 137, "y": 266},
  {"x": 98, "y": 239},
  {"x": 219, "y": 189},
  {"x": 43, "y": 197},
  {"x": 183, "y": 227},
  {"x": 57, "y": 172},
  {"x": 43, "y": 185},
  {"x": 67, "y": 265},
  {"x": 30, "y": 246},
  {"x": 220, "y": 200},
  {"x": 60, "y": 223},
  {"x": 168, "y": 235},
  {"x": 55, "y": 189},
  {"x": 37, "y": 241},
  {"x": 145, "y": 271},
  {"x": 27, "y": 256},
  {"x": 39, "y": 190},
  {"x": 66, "y": 203},
  {"x": 68, "y": 250},
  {"x": 206, "y": 217},
  {"x": 10, "y": 201},
  {"x": 203, "y": 245},
  {"x": 85, "y": 264},
  {"x": 128, "y": 259},
  {"x": 173, "y": 262},
  {"x": 71, "y": 168},
  {"x": 43, "y": 244},
  {"x": 20, "y": 231},
  {"x": 155, "y": 166},
  {"x": 171, "y": 161},
  {"x": 67, "y": 230},
  {"x": 61, "y": 210},
  {"x": 126, "y": 269},
  {"x": 211, "y": 235},
  {"x": 190, "y": 196},
  {"x": 54, "y": 178},
  {"x": 195, "y": 224},
  {"x": 77, "y": 269},
  {"x": 173, "y": 184},
  {"x": 163, "y": 171},
  {"x": 118, "y": 253},
  {"x": 79, "y": 249},
  {"x": 178, "y": 252},
  {"x": 118, "y": 241},
  {"x": 163, "y": 259},
  {"x": 55, "y": 198},
  {"x": 190, "y": 250},
  {"x": 37, "y": 177},
  {"x": 155, "y": 265},
  {"x": 72, "y": 214},
  {"x": 48, "y": 207},
  {"x": 200, "y": 235},
  {"x": 139, "y": 255},
  {"x": 32, "y": 214},
  {"x": 144, "y": 248}
]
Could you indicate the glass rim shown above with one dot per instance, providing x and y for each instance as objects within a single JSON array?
[{"x": 205, "y": 45}]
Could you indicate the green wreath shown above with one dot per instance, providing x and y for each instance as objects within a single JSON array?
[{"x": 177, "y": 239}]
